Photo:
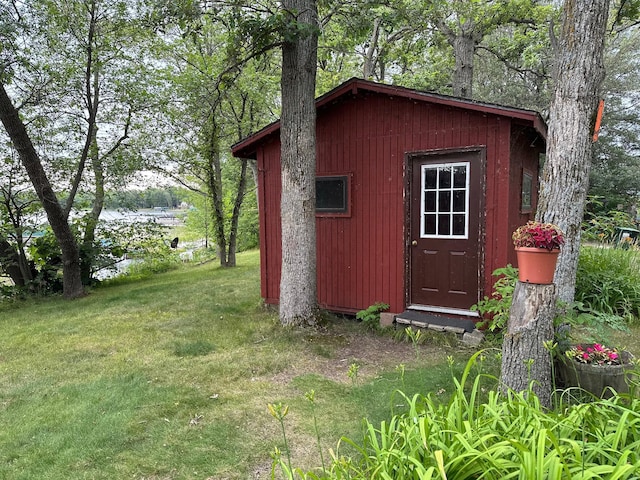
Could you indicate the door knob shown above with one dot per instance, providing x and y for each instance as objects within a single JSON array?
[{"x": 414, "y": 243}]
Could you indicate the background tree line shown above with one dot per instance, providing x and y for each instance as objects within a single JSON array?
[
  {"x": 96, "y": 91},
  {"x": 133, "y": 199}
]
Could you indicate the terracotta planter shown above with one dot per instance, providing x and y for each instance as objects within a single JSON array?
[
  {"x": 536, "y": 265},
  {"x": 596, "y": 379}
]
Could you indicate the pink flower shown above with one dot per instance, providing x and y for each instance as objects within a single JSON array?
[{"x": 596, "y": 354}]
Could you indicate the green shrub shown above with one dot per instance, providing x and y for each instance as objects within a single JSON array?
[
  {"x": 370, "y": 317},
  {"x": 152, "y": 256},
  {"x": 608, "y": 280},
  {"x": 494, "y": 310},
  {"x": 599, "y": 227},
  {"x": 585, "y": 325}
]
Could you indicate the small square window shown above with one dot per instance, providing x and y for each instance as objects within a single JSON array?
[
  {"x": 527, "y": 189},
  {"x": 332, "y": 194}
]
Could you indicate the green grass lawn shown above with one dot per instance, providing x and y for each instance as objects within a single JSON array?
[{"x": 169, "y": 377}]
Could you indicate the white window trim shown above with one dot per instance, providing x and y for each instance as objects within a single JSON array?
[{"x": 422, "y": 200}]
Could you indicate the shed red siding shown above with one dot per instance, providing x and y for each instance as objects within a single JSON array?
[{"x": 367, "y": 134}]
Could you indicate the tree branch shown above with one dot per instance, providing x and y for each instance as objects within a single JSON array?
[{"x": 511, "y": 66}]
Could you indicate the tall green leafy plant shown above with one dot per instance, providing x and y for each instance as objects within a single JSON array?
[
  {"x": 601, "y": 227},
  {"x": 608, "y": 281},
  {"x": 494, "y": 310},
  {"x": 494, "y": 436}
]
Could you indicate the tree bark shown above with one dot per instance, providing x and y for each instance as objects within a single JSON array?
[
  {"x": 369, "y": 58},
  {"x": 464, "y": 48},
  {"x": 213, "y": 169},
  {"x": 88, "y": 250},
  {"x": 298, "y": 303},
  {"x": 235, "y": 216},
  {"x": 13, "y": 259},
  {"x": 10, "y": 263},
  {"x": 91, "y": 85},
  {"x": 464, "y": 44},
  {"x": 579, "y": 71},
  {"x": 525, "y": 358},
  {"x": 72, "y": 284}
]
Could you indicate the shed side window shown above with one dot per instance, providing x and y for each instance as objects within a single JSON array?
[
  {"x": 332, "y": 194},
  {"x": 527, "y": 189}
]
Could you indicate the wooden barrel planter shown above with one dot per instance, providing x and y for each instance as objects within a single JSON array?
[{"x": 598, "y": 380}]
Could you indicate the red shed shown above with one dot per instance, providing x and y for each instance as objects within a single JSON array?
[{"x": 417, "y": 196}]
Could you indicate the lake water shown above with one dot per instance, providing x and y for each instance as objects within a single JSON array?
[{"x": 161, "y": 216}]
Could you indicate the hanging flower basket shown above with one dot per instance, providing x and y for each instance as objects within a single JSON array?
[
  {"x": 597, "y": 369},
  {"x": 537, "y": 247}
]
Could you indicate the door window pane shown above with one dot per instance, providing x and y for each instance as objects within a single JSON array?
[
  {"x": 430, "y": 202},
  {"x": 459, "y": 201},
  {"x": 429, "y": 224},
  {"x": 444, "y": 177},
  {"x": 444, "y": 201},
  {"x": 459, "y": 177},
  {"x": 430, "y": 178},
  {"x": 459, "y": 224},
  {"x": 444, "y": 224}
]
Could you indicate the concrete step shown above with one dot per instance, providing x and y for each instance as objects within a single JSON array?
[{"x": 464, "y": 328}]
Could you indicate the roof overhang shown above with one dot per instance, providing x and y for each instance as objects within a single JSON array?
[{"x": 247, "y": 148}]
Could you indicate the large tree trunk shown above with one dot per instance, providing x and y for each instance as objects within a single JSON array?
[
  {"x": 464, "y": 48},
  {"x": 235, "y": 216},
  {"x": 88, "y": 251},
  {"x": 525, "y": 358},
  {"x": 579, "y": 71},
  {"x": 369, "y": 66},
  {"x": 72, "y": 284},
  {"x": 463, "y": 42},
  {"x": 298, "y": 303},
  {"x": 214, "y": 184}
]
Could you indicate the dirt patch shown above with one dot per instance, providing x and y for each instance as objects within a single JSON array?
[{"x": 331, "y": 352}]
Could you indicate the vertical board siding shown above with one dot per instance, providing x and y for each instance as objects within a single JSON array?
[
  {"x": 361, "y": 257},
  {"x": 269, "y": 170}
]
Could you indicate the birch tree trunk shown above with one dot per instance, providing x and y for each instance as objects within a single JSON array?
[
  {"x": 579, "y": 71},
  {"x": 298, "y": 303},
  {"x": 369, "y": 66}
]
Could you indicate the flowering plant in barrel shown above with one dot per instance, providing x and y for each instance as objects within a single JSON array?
[
  {"x": 538, "y": 235},
  {"x": 594, "y": 354},
  {"x": 597, "y": 369}
]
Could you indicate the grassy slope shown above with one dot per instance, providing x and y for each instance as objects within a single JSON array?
[{"x": 169, "y": 378}]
